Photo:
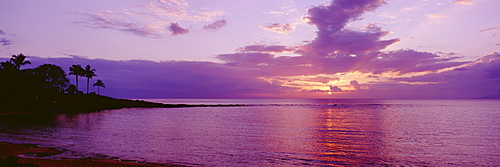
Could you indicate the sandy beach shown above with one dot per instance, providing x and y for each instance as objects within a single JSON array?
[{"x": 10, "y": 151}]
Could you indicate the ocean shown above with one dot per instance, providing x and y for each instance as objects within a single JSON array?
[{"x": 275, "y": 132}]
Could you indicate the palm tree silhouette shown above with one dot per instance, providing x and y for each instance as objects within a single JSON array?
[
  {"x": 99, "y": 83},
  {"x": 76, "y": 70},
  {"x": 88, "y": 72},
  {"x": 19, "y": 60}
]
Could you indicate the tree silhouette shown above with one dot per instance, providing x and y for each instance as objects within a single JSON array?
[
  {"x": 53, "y": 75},
  {"x": 76, "y": 70},
  {"x": 99, "y": 83},
  {"x": 88, "y": 72},
  {"x": 8, "y": 65},
  {"x": 19, "y": 60},
  {"x": 71, "y": 89}
]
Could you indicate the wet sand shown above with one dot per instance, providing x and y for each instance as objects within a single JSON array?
[{"x": 8, "y": 150}]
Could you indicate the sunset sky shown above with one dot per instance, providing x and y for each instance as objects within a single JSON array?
[{"x": 265, "y": 48}]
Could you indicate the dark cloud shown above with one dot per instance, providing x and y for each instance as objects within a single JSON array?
[
  {"x": 335, "y": 89},
  {"x": 476, "y": 79},
  {"x": 176, "y": 29},
  {"x": 2, "y": 33},
  {"x": 215, "y": 25},
  {"x": 5, "y": 42},
  {"x": 355, "y": 85}
]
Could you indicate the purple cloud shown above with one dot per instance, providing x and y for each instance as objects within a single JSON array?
[
  {"x": 5, "y": 42},
  {"x": 473, "y": 80},
  {"x": 186, "y": 79},
  {"x": 215, "y": 25},
  {"x": 2, "y": 33},
  {"x": 176, "y": 29},
  {"x": 407, "y": 61},
  {"x": 332, "y": 18},
  {"x": 400, "y": 62},
  {"x": 333, "y": 38},
  {"x": 335, "y": 89},
  {"x": 355, "y": 85},
  {"x": 351, "y": 42}
]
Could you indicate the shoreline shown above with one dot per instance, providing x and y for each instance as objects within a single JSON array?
[
  {"x": 85, "y": 103},
  {"x": 13, "y": 154}
]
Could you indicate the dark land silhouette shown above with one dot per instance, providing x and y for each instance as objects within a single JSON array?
[{"x": 47, "y": 88}]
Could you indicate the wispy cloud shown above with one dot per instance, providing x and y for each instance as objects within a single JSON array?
[
  {"x": 435, "y": 16},
  {"x": 175, "y": 10},
  {"x": 283, "y": 28},
  {"x": 176, "y": 29},
  {"x": 5, "y": 42},
  {"x": 112, "y": 20},
  {"x": 149, "y": 17},
  {"x": 265, "y": 48},
  {"x": 464, "y": 2},
  {"x": 215, "y": 25},
  {"x": 489, "y": 29}
]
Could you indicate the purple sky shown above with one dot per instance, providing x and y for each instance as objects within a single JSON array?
[{"x": 265, "y": 49}]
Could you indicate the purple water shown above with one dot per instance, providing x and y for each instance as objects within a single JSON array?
[{"x": 276, "y": 133}]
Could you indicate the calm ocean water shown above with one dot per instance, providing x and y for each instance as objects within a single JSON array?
[{"x": 276, "y": 132}]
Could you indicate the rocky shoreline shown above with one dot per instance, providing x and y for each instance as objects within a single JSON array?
[{"x": 27, "y": 155}]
